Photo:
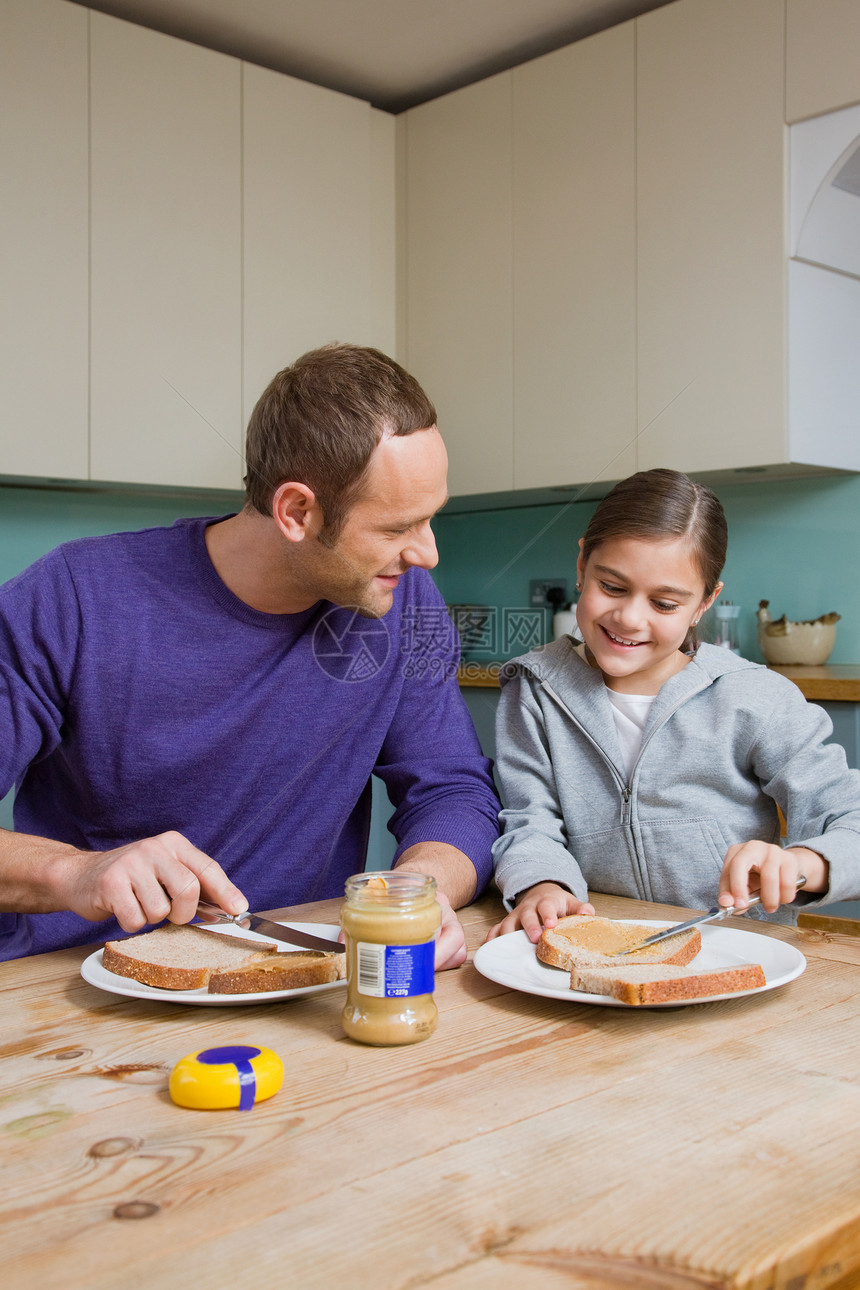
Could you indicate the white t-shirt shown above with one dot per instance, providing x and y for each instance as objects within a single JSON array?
[{"x": 631, "y": 713}]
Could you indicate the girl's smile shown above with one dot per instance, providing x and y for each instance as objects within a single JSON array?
[
  {"x": 616, "y": 640},
  {"x": 639, "y": 599}
]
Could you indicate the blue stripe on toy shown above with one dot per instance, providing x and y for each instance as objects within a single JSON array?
[{"x": 238, "y": 1055}]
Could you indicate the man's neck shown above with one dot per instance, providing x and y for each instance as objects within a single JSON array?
[{"x": 247, "y": 553}]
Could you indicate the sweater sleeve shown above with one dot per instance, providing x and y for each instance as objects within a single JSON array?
[
  {"x": 39, "y": 633},
  {"x": 533, "y": 846},
  {"x": 437, "y": 777},
  {"x": 812, "y": 784},
  {"x": 39, "y": 630}
]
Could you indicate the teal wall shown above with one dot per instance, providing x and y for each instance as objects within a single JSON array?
[
  {"x": 794, "y": 543},
  {"x": 791, "y": 543},
  {"x": 35, "y": 520}
]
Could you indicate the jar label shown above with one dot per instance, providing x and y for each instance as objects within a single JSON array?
[{"x": 395, "y": 971}]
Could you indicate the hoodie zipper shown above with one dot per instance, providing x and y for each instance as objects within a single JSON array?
[
  {"x": 626, "y": 809},
  {"x": 625, "y": 789}
]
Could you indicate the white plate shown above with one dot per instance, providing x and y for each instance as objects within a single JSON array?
[
  {"x": 93, "y": 972},
  {"x": 511, "y": 960}
]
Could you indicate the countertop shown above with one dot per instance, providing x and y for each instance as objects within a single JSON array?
[
  {"x": 838, "y": 682},
  {"x": 530, "y": 1142}
]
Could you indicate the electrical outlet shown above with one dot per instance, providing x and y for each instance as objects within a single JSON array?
[{"x": 548, "y": 593}]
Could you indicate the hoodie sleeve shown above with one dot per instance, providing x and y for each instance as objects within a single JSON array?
[
  {"x": 812, "y": 784},
  {"x": 533, "y": 846}
]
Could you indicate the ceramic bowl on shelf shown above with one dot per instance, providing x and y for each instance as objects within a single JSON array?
[{"x": 785, "y": 643}]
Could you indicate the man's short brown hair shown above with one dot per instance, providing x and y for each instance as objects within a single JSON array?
[{"x": 319, "y": 421}]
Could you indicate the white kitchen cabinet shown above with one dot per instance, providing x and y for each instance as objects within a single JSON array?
[
  {"x": 574, "y": 263},
  {"x": 645, "y": 292},
  {"x": 145, "y": 307},
  {"x": 711, "y": 189},
  {"x": 384, "y": 234},
  {"x": 166, "y": 260},
  {"x": 822, "y": 57},
  {"x": 521, "y": 269},
  {"x": 44, "y": 238},
  {"x": 318, "y": 236},
  {"x": 459, "y": 276}
]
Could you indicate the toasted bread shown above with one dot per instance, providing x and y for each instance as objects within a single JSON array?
[
  {"x": 288, "y": 971},
  {"x": 181, "y": 957},
  {"x": 592, "y": 942},
  {"x": 648, "y": 983}
]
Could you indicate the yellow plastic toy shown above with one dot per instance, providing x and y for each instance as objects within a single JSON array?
[{"x": 233, "y": 1077}]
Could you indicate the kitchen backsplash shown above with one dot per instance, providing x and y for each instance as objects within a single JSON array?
[{"x": 794, "y": 543}]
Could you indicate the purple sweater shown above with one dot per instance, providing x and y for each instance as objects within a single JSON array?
[{"x": 138, "y": 694}]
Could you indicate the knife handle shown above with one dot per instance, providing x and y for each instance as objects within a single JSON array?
[
  {"x": 215, "y": 914},
  {"x": 754, "y": 900},
  {"x": 729, "y": 911}
]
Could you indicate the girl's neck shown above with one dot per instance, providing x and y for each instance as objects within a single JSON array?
[{"x": 636, "y": 682}]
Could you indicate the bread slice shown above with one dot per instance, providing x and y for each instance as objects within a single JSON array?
[
  {"x": 586, "y": 941},
  {"x": 645, "y": 983},
  {"x": 281, "y": 972},
  {"x": 181, "y": 956}
]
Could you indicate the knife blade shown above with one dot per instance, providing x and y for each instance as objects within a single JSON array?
[
  {"x": 714, "y": 915},
  {"x": 277, "y": 931}
]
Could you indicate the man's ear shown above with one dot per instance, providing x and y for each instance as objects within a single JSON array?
[{"x": 296, "y": 512}]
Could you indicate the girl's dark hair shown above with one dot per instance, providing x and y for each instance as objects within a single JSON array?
[{"x": 655, "y": 504}]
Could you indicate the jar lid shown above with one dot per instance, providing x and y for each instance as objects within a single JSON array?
[{"x": 390, "y": 887}]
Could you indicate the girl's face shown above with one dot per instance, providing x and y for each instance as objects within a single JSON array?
[{"x": 637, "y": 603}]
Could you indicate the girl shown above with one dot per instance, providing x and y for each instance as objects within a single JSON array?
[{"x": 643, "y": 764}]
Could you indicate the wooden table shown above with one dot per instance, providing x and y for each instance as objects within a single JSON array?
[{"x": 529, "y": 1143}]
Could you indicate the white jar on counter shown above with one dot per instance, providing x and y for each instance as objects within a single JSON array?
[{"x": 564, "y": 623}]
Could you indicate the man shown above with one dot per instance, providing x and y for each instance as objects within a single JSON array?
[{"x": 196, "y": 711}]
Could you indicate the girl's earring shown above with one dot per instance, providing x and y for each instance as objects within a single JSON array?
[{"x": 579, "y": 586}]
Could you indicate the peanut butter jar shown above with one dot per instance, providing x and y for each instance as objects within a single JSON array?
[{"x": 390, "y": 921}]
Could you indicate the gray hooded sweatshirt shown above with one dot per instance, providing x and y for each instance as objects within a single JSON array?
[{"x": 726, "y": 741}]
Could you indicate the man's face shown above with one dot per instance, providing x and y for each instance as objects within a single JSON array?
[{"x": 387, "y": 530}]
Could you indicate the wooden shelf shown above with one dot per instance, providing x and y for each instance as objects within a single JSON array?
[
  {"x": 835, "y": 682},
  {"x": 479, "y": 675},
  {"x": 838, "y": 682}
]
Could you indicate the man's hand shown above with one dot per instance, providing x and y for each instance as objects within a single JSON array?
[
  {"x": 538, "y": 907},
  {"x": 143, "y": 882},
  {"x": 771, "y": 872},
  {"x": 451, "y": 942},
  {"x": 455, "y": 884}
]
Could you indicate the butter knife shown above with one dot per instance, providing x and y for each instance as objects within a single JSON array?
[
  {"x": 714, "y": 915},
  {"x": 277, "y": 931}
]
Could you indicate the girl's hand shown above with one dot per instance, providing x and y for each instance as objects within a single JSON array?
[
  {"x": 771, "y": 872},
  {"x": 541, "y": 906}
]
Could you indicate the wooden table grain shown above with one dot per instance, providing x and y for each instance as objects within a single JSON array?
[{"x": 529, "y": 1143}]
